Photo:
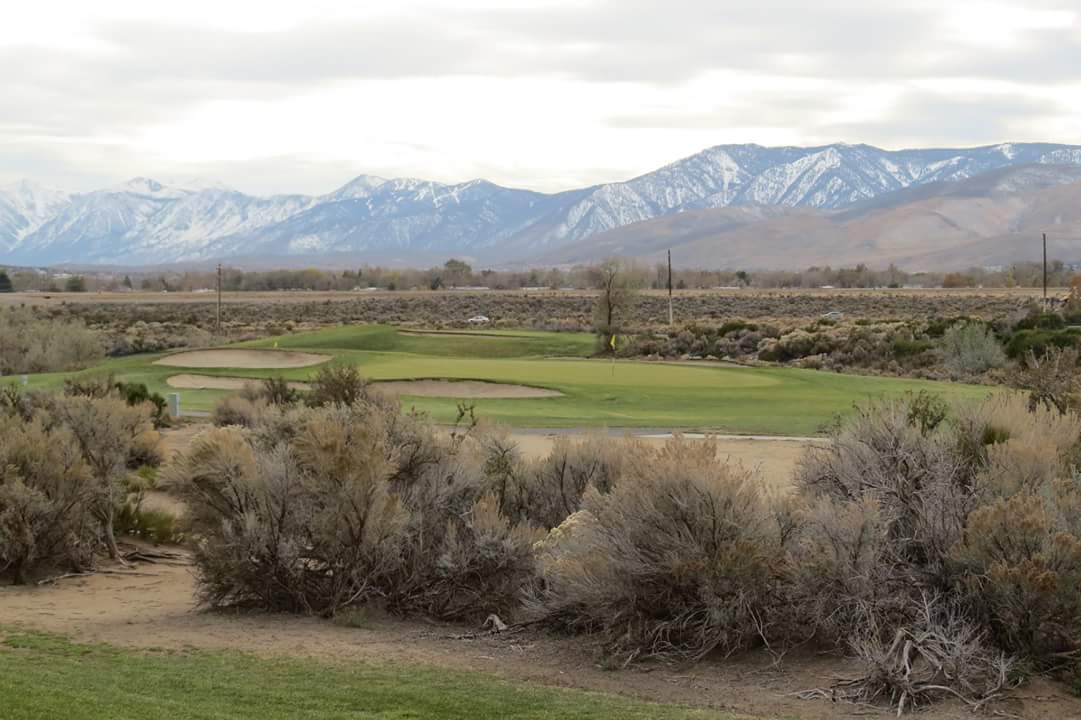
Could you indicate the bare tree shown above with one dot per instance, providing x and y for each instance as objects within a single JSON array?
[
  {"x": 1053, "y": 380},
  {"x": 615, "y": 301}
]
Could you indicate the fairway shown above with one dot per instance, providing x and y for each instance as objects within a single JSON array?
[
  {"x": 44, "y": 676},
  {"x": 595, "y": 392}
]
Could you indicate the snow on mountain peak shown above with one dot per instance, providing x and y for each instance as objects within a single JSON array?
[{"x": 144, "y": 221}]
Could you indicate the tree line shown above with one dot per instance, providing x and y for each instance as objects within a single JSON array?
[{"x": 456, "y": 273}]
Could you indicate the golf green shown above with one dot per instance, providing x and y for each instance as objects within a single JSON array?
[{"x": 595, "y": 392}]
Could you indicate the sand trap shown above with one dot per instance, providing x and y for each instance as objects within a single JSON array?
[
  {"x": 462, "y": 389},
  {"x": 247, "y": 359},
  {"x": 209, "y": 382}
]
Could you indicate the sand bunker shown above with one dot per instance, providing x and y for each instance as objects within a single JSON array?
[
  {"x": 247, "y": 359},
  {"x": 209, "y": 382},
  {"x": 462, "y": 389}
]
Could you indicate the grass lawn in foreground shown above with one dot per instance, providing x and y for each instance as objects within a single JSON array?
[
  {"x": 43, "y": 677},
  {"x": 771, "y": 401}
]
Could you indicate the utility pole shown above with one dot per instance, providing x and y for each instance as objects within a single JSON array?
[
  {"x": 1045, "y": 271},
  {"x": 219, "y": 299},
  {"x": 669, "y": 288}
]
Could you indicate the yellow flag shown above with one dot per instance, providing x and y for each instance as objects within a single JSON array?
[{"x": 613, "y": 342}]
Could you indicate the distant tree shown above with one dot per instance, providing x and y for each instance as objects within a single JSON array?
[
  {"x": 127, "y": 282},
  {"x": 743, "y": 277},
  {"x": 6, "y": 285},
  {"x": 75, "y": 284},
  {"x": 613, "y": 306},
  {"x": 457, "y": 273}
]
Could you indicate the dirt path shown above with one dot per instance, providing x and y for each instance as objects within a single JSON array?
[{"x": 156, "y": 609}]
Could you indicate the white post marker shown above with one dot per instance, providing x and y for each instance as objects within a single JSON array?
[{"x": 174, "y": 404}]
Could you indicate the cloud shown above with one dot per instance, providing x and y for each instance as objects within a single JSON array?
[{"x": 283, "y": 96}]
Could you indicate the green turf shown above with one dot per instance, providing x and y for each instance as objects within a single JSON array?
[
  {"x": 458, "y": 343},
  {"x": 770, "y": 400},
  {"x": 44, "y": 677}
]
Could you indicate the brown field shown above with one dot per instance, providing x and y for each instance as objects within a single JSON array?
[{"x": 277, "y": 312}]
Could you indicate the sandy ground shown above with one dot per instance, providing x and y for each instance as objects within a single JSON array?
[
  {"x": 248, "y": 359},
  {"x": 773, "y": 459},
  {"x": 210, "y": 382},
  {"x": 155, "y": 608}
]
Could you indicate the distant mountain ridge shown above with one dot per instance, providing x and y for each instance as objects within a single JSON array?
[
  {"x": 411, "y": 221},
  {"x": 990, "y": 219}
]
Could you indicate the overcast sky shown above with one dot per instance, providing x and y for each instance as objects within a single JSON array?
[{"x": 301, "y": 96}]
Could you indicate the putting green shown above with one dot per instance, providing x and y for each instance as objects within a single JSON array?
[{"x": 769, "y": 401}]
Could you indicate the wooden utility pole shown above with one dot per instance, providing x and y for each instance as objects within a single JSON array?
[
  {"x": 219, "y": 299},
  {"x": 1045, "y": 271},
  {"x": 669, "y": 288}
]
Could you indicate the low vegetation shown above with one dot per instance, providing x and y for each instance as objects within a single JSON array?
[
  {"x": 34, "y": 345},
  {"x": 940, "y": 544},
  {"x": 64, "y": 476}
]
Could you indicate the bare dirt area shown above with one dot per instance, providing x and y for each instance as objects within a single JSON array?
[
  {"x": 461, "y": 389},
  {"x": 774, "y": 459},
  {"x": 245, "y": 359},
  {"x": 178, "y": 438},
  {"x": 153, "y": 606}
]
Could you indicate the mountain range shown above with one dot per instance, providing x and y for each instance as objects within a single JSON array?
[{"x": 727, "y": 206}]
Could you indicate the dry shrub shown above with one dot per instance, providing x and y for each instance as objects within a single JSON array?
[
  {"x": 238, "y": 410},
  {"x": 1053, "y": 379},
  {"x": 888, "y": 499},
  {"x": 940, "y": 654},
  {"x": 683, "y": 557},
  {"x": 34, "y": 344},
  {"x": 316, "y": 510},
  {"x": 305, "y": 527},
  {"x": 45, "y": 490},
  {"x": 546, "y": 491},
  {"x": 337, "y": 385},
  {"x": 971, "y": 348},
  {"x": 1021, "y": 563},
  {"x": 106, "y": 430},
  {"x": 981, "y": 512}
]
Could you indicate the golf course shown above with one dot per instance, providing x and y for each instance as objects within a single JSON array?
[{"x": 523, "y": 379}]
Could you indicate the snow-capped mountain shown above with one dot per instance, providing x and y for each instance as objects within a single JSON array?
[
  {"x": 24, "y": 207},
  {"x": 416, "y": 221}
]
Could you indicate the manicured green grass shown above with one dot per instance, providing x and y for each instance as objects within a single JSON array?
[
  {"x": 773, "y": 401},
  {"x": 44, "y": 677},
  {"x": 457, "y": 343}
]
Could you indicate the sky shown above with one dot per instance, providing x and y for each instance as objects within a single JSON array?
[{"x": 302, "y": 96}]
